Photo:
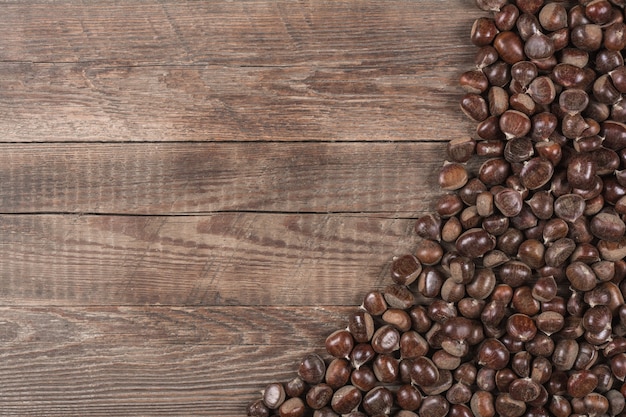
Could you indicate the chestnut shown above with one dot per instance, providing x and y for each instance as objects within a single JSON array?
[
  {"x": 459, "y": 393},
  {"x": 506, "y": 17},
  {"x": 360, "y": 355},
  {"x": 443, "y": 384},
  {"x": 398, "y": 318},
  {"x": 483, "y": 31},
  {"x": 616, "y": 402},
  {"x": 507, "y": 406},
  {"x": 338, "y": 370},
  {"x": 312, "y": 369},
  {"x": 449, "y": 205},
  {"x": 461, "y": 150},
  {"x": 565, "y": 353},
  {"x": 408, "y": 397},
  {"x": 434, "y": 406},
  {"x": 451, "y": 230},
  {"x": 498, "y": 73},
  {"x": 550, "y": 322},
  {"x": 604, "y": 91},
  {"x": 453, "y": 176},
  {"x": 494, "y": 171},
  {"x": 413, "y": 345},
  {"x": 295, "y": 387},
  {"x": 424, "y": 372},
  {"x": 559, "y": 406},
  {"x": 406, "y": 268},
  {"x": 545, "y": 289},
  {"x": 581, "y": 383},
  {"x": 569, "y": 207},
  {"x": 587, "y": 37},
  {"x": 258, "y": 408},
  {"x": 618, "y": 77},
  {"x": 521, "y": 327},
  {"x": 378, "y": 401},
  {"x": 374, "y": 303},
  {"x": 596, "y": 404},
  {"x": 492, "y": 354},
  {"x": 599, "y": 11},
  {"x": 536, "y": 173},
  {"x": 474, "y": 81},
  {"x": 527, "y": 24},
  {"x": 581, "y": 276},
  {"x": 399, "y": 296},
  {"x": 608, "y": 227},
  {"x": 361, "y": 323},
  {"x": 514, "y": 124},
  {"x": 542, "y": 90},
  {"x": 543, "y": 125},
  {"x": 475, "y": 243},
  {"x": 293, "y": 407},
  {"x": 510, "y": 46},
  {"x": 540, "y": 345},
  {"x": 386, "y": 339},
  {"x": 482, "y": 404},
  {"x": 319, "y": 396},
  {"x": 515, "y": 273},
  {"x": 429, "y": 252},
  {"x": 449, "y": 358},
  {"x": 615, "y": 37},
  {"x": 346, "y": 399},
  {"x": 553, "y": 16},
  {"x": 363, "y": 378},
  {"x": 524, "y": 389},
  {"x": 339, "y": 344},
  {"x": 607, "y": 60},
  {"x": 541, "y": 370},
  {"x": 274, "y": 395},
  {"x": 618, "y": 366}
]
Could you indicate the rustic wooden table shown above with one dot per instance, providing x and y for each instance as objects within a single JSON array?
[{"x": 195, "y": 193}]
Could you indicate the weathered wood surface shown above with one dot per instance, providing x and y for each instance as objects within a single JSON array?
[
  {"x": 193, "y": 194},
  {"x": 192, "y": 178},
  {"x": 93, "y": 102},
  {"x": 245, "y": 70},
  {"x": 151, "y": 360},
  {"x": 221, "y": 259}
]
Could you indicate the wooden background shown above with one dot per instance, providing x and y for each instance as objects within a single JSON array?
[{"x": 195, "y": 193}]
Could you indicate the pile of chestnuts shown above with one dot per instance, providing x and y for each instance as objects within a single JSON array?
[{"x": 512, "y": 303}]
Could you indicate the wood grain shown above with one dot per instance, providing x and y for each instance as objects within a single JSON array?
[
  {"x": 193, "y": 194},
  {"x": 152, "y": 360},
  {"x": 221, "y": 326},
  {"x": 111, "y": 379},
  {"x": 222, "y": 259},
  {"x": 241, "y": 33},
  {"x": 192, "y": 178},
  {"x": 242, "y": 71},
  {"x": 95, "y": 102}
]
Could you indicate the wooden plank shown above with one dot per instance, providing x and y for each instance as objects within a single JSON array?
[
  {"x": 193, "y": 310},
  {"x": 221, "y": 70},
  {"x": 222, "y": 259},
  {"x": 119, "y": 380},
  {"x": 256, "y": 32},
  {"x": 141, "y": 380},
  {"x": 175, "y": 178},
  {"x": 92, "y": 102},
  {"x": 170, "y": 325},
  {"x": 152, "y": 360}
]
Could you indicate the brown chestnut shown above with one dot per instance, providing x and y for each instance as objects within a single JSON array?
[
  {"x": 312, "y": 369},
  {"x": 346, "y": 399},
  {"x": 493, "y": 354}
]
